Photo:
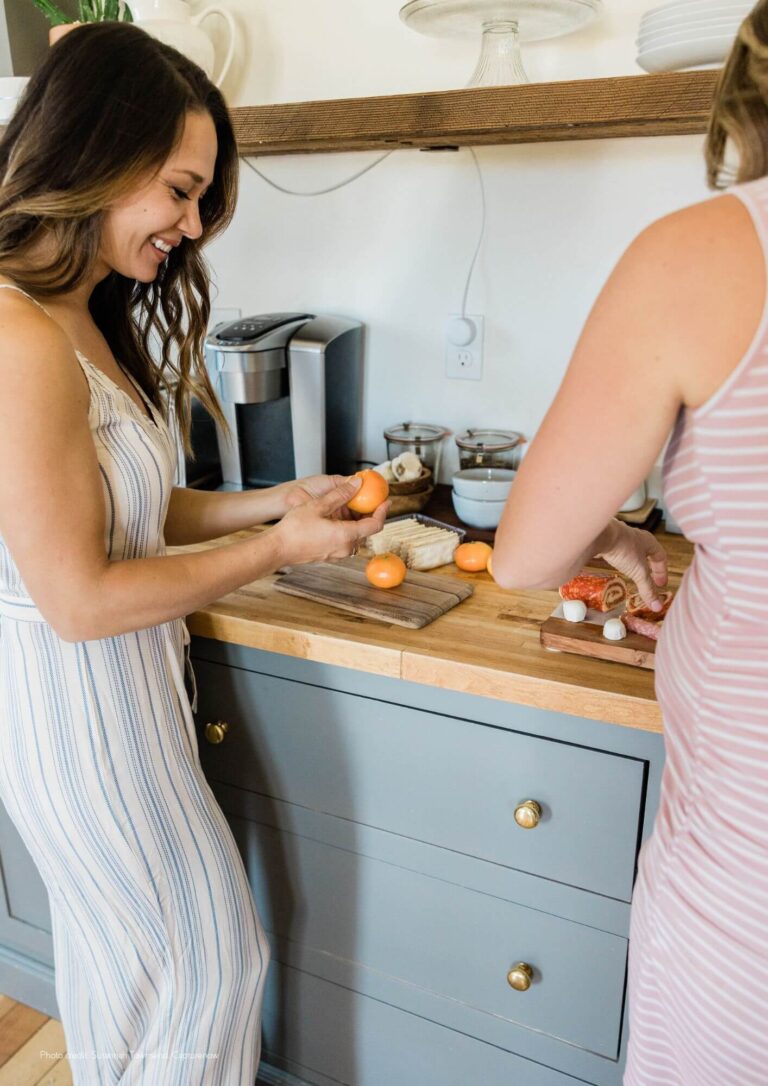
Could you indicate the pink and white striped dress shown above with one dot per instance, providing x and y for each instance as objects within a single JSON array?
[{"x": 698, "y": 971}]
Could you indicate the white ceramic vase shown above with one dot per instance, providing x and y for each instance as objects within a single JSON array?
[
  {"x": 172, "y": 22},
  {"x": 11, "y": 89}
]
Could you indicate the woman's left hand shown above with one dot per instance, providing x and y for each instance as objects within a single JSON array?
[{"x": 305, "y": 490}]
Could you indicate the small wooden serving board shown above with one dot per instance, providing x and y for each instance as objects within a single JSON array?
[
  {"x": 586, "y": 639},
  {"x": 419, "y": 600}
]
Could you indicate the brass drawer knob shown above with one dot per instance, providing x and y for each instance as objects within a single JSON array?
[
  {"x": 215, "y": 732},
  {"x": 528, "y": 814},
  {"x": 520, "y": 976}
]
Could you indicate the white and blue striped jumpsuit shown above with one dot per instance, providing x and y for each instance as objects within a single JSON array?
[{"x": 160, "y": 957}]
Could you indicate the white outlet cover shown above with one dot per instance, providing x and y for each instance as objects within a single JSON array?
[{"x": 464, "y": 362}]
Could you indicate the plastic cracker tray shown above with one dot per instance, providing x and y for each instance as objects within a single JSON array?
[{"x": 430, "y": 522}]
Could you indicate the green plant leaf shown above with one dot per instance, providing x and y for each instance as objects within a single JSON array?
[
  {"x": 51, "y": 12},
  {"x": 88, "y": 11}
]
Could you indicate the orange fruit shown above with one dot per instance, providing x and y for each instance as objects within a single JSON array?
[
  {"x": 473, "y": 557},
  {"x": 489, "y": 567},
  {"x": 374, "y": 490},
  {"x": 386, "y": 571}
]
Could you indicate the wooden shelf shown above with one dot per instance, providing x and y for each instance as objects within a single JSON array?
[{"x": 677, "y": 103}]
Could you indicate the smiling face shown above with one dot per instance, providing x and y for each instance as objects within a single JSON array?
[{"x": 142, "y": 229}]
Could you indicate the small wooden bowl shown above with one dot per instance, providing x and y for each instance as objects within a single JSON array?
[
  {"x": 413, "y": 486},
  {"x": 409, "y": 503}
]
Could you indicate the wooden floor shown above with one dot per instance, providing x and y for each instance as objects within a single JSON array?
[{"x": 29, "y": 1045}]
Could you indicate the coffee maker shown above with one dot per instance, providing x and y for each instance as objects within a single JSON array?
[{"x": 290, "y": 387}]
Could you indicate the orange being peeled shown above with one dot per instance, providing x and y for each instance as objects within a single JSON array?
[
  {"x": 373, "y": 490},
  {"x": 386, "y": 571},
  {"x": 473, "y": 557}
]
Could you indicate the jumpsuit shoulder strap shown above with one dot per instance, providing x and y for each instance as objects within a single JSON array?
[{"x": 12, "y": 286}]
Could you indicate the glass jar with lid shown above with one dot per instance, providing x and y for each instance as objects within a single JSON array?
[
  {"x": 490, "y": 449},
  {"x": 422, "y": 438}
]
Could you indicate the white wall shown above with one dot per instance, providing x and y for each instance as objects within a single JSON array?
[{"x": 393, "y": 248}]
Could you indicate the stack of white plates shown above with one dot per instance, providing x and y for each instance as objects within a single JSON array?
[{"x": 689, "y": 34}]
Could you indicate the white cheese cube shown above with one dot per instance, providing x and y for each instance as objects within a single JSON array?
[
  {"x": 614, "y": 630},
  {"x": 574, "y": 610}
]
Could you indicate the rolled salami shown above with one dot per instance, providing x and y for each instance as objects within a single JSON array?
[
  {"x": 636, "y": 607},
  {"x": 643, "y": 626},
  {"x": 602, "y": 593}
]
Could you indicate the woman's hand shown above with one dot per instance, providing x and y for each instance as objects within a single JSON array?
[
  {"x": 300, "y": 491},
  {"x": 319, "y": 528},
  {"x": 637, "y": 555}
]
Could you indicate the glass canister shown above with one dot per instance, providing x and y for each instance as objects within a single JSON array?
[
  {"x": 490, "y": 449},
  {"x": 421, "y": 438}
]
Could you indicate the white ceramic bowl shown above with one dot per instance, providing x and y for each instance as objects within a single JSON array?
[
  {"x": 484, "y": 484},
  {"x": 636, "y": 500},
  {"x": 477, "y": 514}
]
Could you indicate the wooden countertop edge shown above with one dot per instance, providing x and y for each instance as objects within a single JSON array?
[
  {"x": 609, "y": 707},
  {"x": 302, "y": 644},
  {"x": 604, "y": 705}
]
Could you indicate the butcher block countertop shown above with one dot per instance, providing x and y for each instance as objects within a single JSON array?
[{"x": 488, "y": 645}]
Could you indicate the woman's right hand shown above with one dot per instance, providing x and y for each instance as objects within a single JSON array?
[
  {"x": 638, "y": 555},
  {"x": 315, "y": 532}
]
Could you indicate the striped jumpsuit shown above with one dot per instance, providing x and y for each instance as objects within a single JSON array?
[
  {"x": 698, "y": 973},
  {"x": 160, "y": 958}
]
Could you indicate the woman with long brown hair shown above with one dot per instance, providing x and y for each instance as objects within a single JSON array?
[
  {"x": 118, "y": 166},
  {"x": 678, "y": 342}
]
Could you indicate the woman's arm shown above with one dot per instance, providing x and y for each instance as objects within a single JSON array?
[
  {"x": 195, "y": 516},
  {"x": 52, "y": 512},
  {"x": 675, "y": 317}
]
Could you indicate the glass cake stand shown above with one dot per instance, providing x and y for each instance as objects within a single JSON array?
[{"x": 502, "y": 24}]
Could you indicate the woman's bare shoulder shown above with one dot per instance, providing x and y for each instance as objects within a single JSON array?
[
  {"x": 719, "y": 226},
  {"x": 39, "y": 370},
  {"x": 28, "y": 333},
  {"x": 709, "y": 261}
]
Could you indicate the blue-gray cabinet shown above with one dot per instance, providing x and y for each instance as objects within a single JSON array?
[
  {"x": 377, "y": 823},
  {"x": 26, "y": 952}
]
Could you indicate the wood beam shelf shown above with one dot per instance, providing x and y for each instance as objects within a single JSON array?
[{"x": 676, "y": 103}]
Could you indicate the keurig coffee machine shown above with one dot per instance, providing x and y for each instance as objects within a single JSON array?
[{"x": 290, "y": 385}]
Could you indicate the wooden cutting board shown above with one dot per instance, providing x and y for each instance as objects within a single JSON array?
[
  {"x": 586, "y": 639},
  {"x": 419, "y": 600}
]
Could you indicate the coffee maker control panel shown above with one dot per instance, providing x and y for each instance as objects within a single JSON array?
[{"x": 244, "y": 331}]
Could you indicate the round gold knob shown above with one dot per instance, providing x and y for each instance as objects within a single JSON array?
[
  {"x": 215, "y": 732},
  {"x": 528, "y": 814},
  {"x": 520, "y": 976}
]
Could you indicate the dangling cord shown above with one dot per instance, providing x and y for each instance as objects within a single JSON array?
[
  {"x": 482, "y": 231},
  {"x": 316, "y": 192}
]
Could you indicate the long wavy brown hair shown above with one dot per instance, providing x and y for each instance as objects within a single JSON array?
[
  {"x": 740, "y": 111},
  {"x": 102, "y": 113}
]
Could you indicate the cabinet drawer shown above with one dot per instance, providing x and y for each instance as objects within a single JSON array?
[
  {"x": 326, "y": 1034},
  {"x": 447, "y": 940},
  {"x": 435, "y": 778}
]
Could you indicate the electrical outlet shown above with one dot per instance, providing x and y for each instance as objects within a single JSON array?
[
  {"x": 464, "y": 347},
  {"x": 223, "y": 316}
]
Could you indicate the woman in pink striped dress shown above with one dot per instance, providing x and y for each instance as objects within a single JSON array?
[{"x": 678, "y": 342}]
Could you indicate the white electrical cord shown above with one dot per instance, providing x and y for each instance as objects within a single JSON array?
[
  {"x": 482, "y": 232},
  {"x": 370, "y": 166},
  {"x": 317, "y": 192}
]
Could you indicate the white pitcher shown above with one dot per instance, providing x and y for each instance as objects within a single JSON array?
[{"x": 172, "y": 22}]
